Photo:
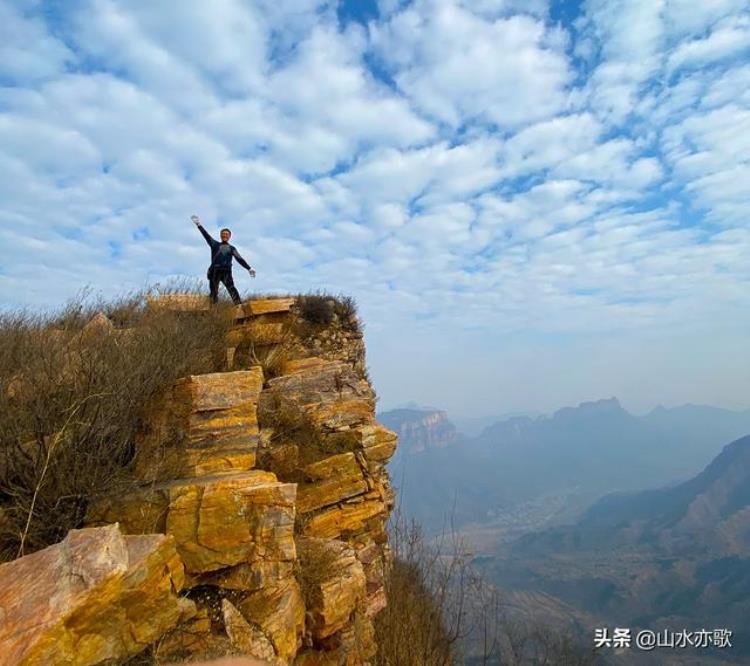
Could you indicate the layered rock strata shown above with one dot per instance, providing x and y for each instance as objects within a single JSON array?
[
  {"x": 270, "y": 481},
  {"x": 96, "y": 596}
]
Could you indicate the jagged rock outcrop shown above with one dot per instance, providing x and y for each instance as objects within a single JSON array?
[
  {"x": 96, "y": 596},
  {"x": 204, "y": 424},
  {"x": 421, "y": 429},
  {"x": 270, "y": 481}
]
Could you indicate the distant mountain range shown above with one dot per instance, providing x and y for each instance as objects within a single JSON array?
[
  {"x": 672, "y": 557},
  {"x": 420, "y": 430},
  {"x": 571, "y": 459}
]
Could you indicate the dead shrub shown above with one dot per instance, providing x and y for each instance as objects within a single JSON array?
[
  {"x": 316, "y": 309},
  {"x": 296, "y": 440},
  {"x": 73, "y": 388},
  {"x": 320, "y": 310},
  {"x": 316, "y": 563},
  {"x": 288, "y": 421},
  {"x": 271, "y": 358},
  {"x": 440, "y": 612},
  {"x": 427, "y": 598}
]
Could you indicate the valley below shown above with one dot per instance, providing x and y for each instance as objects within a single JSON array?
[{"x": 604, "y": 547}]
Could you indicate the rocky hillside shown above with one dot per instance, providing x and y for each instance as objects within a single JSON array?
[
  {"x": 420, "y": 429},
  {"x": 675, "y": 556},
  {"x": 708, "y": 513},
  {"x": 256, "y": 524},
  {"x": 523, "y": 472}
]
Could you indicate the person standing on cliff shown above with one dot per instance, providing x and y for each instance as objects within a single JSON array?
[{"x": 220, "y": 269}]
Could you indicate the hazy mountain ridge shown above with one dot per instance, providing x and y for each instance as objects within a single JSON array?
[
  {"x": 420, "y": 429},
  {"x": 580, "y": 453},
  {"x": 677, "y": 556},
  {"x": 724, "y": 485},
  {"x": 710, "y": 512}
]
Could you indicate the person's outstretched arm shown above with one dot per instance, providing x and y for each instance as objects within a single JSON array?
[
  {"x": 242, "y": 262},
  {"x": 211, "y": 241}
]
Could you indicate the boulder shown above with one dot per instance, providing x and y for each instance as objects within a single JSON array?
[
  {"x": 346, "y": 519},
  {"x": 96, "y": 596},
  {"x": 330, "y": 480},
  {"x": 204, "y": 425},
  {"x": 217, "y": 521},
  {"x": 253, "y": 332},
  {"x": 246, "y": 638},
  {"x": 248, "y": 576},
  {"x": 298, "y": 364},
  {"x": 206, "y": 476},
  {"x": 352, "y": 646},
  {"x": 375, "y": 441},
  {"x": 373, "y": 557},
  {"x": 262, "y": 306},
  {"x": 378, "y": 443},
  {"x": 191, "y": 638},
  {"x": 335, "y": 584},
  {"x": 178, "y": 302},
  {"x": 279, "y": 612},
  {"x": 330, "y": 394}
]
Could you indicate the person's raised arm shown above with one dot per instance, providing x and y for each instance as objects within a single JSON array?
[{"x": 196, "y": 221}]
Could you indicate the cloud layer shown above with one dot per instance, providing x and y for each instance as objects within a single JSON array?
[{"x": 522, "y": 180}]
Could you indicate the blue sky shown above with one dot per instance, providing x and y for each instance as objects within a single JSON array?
[{"x": 534, "y": 204}]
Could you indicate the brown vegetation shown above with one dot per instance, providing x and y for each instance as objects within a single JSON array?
[
  {"x": 73, "y": 386},
  {"x": 321, "y": 310},
  {"x": 441, "y": 612}
]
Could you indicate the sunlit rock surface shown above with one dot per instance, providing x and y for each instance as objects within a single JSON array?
[
  {"x": 96, "y": 596},
  {"x": 245, "y": 468}
]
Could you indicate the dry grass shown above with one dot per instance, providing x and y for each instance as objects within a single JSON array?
[
  {"x": 296, "y": 441},
  {"x": 288, "y": 421},
  {"x": 271, "y": 358},
  {"x": 441, "y": 612},
  {"x": 72, "y": 394},
  {"x": 427, "y": 597},
  {"x": 320, "y": 310}
]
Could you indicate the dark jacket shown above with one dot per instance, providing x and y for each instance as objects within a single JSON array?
[{"x": 222, "y": 253}]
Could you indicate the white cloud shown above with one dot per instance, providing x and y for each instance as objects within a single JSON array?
[
  {"x": 630, "y": 37},
  {"x": 325, "y": 90},
  {"x": 452, "y": 164},
  {"x": 226, "y": 40},
  {"x": 46, "y": 148},
  {"x": 728, "y": 39},
  {"x": 685, "y": 18},
  {"x": 710, "y": 154},
  {"x": 27, "y": 51},
  {"x": 425, "y": 175},
  {"x": 458, "y": 66}
]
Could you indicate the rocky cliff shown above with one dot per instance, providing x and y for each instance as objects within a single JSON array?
[
  {"x": 269, "y": 483},
  {"x": 420, "y": 429}
]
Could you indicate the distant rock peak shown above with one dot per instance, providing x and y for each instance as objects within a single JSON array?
[
  {"x": 603, "y": 406},
  {"x": 420, "y": 430}
]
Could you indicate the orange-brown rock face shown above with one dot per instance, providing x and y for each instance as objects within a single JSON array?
[
  {"x": 204, "y": 425},
  {"x": 270, "y": 480},
  {"x": 96, "y": 596},
  {"x": 330, "y": 394},
  {"x": 216, "y": 521},
  {"x": 337, "y": 588}
]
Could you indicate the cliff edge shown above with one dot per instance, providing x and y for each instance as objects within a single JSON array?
[{"x": 268, "y": 480}]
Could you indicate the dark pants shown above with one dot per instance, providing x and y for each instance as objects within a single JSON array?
[{"x": 216, "y": 275}]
